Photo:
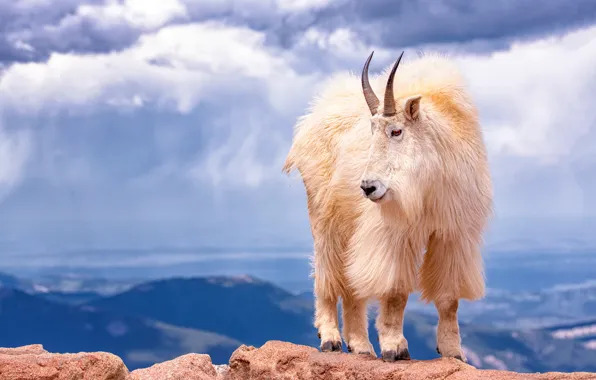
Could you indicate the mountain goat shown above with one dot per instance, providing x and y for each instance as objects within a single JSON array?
[{"x": 398, "y": 195}]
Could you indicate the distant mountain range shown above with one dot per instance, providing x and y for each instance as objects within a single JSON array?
[
  {"x": 156, "y": 320},
  {"x": 243, "y": 308},
  {"x": 560, "y": 305},
  {"x": 67, "y": 284},
  {"x": 29, "y": 319}
]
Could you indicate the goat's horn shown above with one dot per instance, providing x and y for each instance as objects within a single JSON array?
[
  {"x": 369, "y": 94},
  {"x": 389, "y": 106}
]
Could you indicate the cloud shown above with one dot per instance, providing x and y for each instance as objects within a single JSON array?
[
  {"x": 26, "y": 24},
  {"x": 172, "y": 71},
  {"x": 535, "y": 97},
  {"x": 14, "y": 152},
  {"x": 141, "y": 14},
  {"x": 422, "y": 22},
  {"x": 32, "y": 30},
  {"x": 173, "y": 59},
  {"x": 184, "y": 127},
  {"x": 537, "y": 114},
  {"x": 232, "y": 97}
]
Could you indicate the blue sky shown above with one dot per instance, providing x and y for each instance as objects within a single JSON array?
[{"x": 166, "y": 122}]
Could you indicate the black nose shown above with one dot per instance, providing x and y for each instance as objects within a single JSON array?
[{"x": 368, "y": 189}]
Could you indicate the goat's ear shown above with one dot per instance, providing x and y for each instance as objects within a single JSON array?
[{"x": 412, "y": 107}]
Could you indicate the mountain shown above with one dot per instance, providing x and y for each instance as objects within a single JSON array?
[
  {"x": 531, "y": 350},
  {"x": 71, "y": 298},
  {"x": 69, "y": 288},
  {"x": 80, "y": 283},
  {"x": 11, "y": 281},
  {"x": 30, "y": 319},
  {"x": 254, "y": 311},
  {"x": 157, "y": 320},
  {"x": 584, "y": 332},
  {"x": 550, "y": 307},
  {"x": 243, "y": 308}
]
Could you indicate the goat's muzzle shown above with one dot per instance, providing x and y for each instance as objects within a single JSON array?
[{"x": 374, "y": 190}]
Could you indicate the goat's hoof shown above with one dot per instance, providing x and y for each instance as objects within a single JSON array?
[
  {"x": 392, "y": 355},
  {"x": 461, "y": 357},
  {"x": 361, "y": 348},
  {"x": 361, "y": 352},
  {"x": 330, "y": 346}
]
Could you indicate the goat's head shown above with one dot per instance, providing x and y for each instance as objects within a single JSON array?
[{"x": 401, "y": 151}]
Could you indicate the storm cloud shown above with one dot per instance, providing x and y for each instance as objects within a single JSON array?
[{"x": 152, "y": 122}]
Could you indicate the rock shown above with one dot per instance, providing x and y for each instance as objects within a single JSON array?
[
  {"x": 221, "y": 370},
  {"x": 185, "y": 367},
  {"x": 506, "y": 375},
  {"x": 275, "y": 360},
  {"x": 34, "y": 363},
  {"x": 280, "y": 361},
  {"x": 30, "y": 349}
]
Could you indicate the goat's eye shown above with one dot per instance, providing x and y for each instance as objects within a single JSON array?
[{"x": 396, "y": 132}]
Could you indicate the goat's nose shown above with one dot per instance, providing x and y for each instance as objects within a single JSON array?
[{"x": 368, "y": 187}]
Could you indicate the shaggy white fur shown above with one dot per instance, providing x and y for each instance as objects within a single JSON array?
[{"x": 420, "y": 229}]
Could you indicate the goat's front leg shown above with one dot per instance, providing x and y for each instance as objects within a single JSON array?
[
  {"x": 389, "y": 324},
  {"x": 355, "y": 329}
]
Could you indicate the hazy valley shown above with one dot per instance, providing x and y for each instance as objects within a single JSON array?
[{"x": 151, "y": 320}]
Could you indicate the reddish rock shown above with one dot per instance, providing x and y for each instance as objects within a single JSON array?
[
  {"x": 477, "y": 374},
  {"x": 221, "y": 370},
  {"x": 347, "y": 366},
  {"x": 34, "y": 363},
  {"x": 185, "y": 367},
  {"x": 30, "y": 349},
  {"x": 273, "y": 361},
  {"x": 280, "y": 361}
]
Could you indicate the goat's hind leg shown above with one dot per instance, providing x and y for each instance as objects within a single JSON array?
[
  {"x": 326, "y": 321},
  {"x": 326, "y": 297},
  {"x": 328, "y": 276},
  {"x": 448, "y": 337},
  {"x": 452, "y": 270}
]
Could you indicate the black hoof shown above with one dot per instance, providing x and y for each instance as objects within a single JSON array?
[
  {"x": 330, "y": 346},
  {"x": 458, "y": 357},
  {"x": 389, "y": 356},
  {"x": 392, "y": 355},
  {"x": 403, "y": 354},
  {"x": 351, "y": 350}
]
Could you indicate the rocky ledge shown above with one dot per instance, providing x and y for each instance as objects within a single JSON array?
[{"x": 274, "y": 360}]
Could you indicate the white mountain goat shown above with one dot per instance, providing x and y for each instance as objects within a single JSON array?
[{"x": 398, "y": 201}]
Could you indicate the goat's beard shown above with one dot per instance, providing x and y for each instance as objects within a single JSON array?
[{"x": 407, "y": 200}]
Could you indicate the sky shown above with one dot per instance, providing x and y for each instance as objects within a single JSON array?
[{"x": 144, "y": 123}]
